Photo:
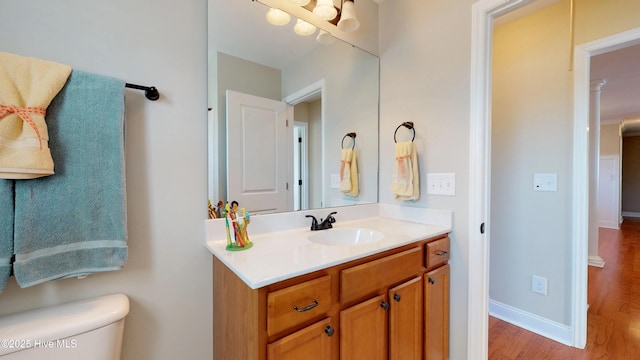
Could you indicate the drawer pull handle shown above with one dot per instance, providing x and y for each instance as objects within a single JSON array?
[
  {"x": 385, "y": 305},
  {"x": 306, "y": 308},
  {"x": 329, "y": 330},
  {"x": 432, "y": 280},
  {"x": 441, "y": 253},
  {"x": 396, "y": 297}
]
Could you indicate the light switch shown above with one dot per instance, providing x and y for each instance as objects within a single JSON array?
[
  {"x": 545, "y": 182},
  {"x": 441, "y": 184}
]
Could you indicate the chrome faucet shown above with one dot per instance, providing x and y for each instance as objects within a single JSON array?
[{"x": 324, "y": 224}]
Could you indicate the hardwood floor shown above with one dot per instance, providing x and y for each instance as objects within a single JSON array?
[{"x": 613, "y": 319}]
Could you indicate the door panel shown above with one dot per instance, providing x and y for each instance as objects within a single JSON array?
[
  {"x": 363, "y": 330},
  {"x": 405, "y": 321},
  {"x": 258, "y": 158}
]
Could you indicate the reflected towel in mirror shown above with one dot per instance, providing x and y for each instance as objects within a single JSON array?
[{"x": 349, "y": 172}]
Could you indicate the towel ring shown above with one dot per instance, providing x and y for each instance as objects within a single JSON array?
[
  {"x": 351, "y": 135},
  {"x": 408, "y": 125}
]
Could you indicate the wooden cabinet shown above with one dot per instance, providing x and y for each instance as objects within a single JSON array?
[
  {"x": 405, "y": 320},
  {"x": 391, "y": 305},
  {"x": 363, "y": 330},
  {"x": 436, "y": 313},
  {"x": 315, "y": 342}
]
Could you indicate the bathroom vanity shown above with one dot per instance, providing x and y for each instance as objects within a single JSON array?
[{"x": 293, "y": 297}]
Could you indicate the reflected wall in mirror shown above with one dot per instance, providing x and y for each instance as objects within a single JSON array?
[{"x": 281, "y": 107}]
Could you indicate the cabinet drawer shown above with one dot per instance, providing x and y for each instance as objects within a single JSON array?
[
  {"x": 368, "y": 278},
  {"x": 437, "y": 253},
  {"x": 298, "y": 303}
]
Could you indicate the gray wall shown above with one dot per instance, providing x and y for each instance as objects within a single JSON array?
[{"x": 168, "y": 275}]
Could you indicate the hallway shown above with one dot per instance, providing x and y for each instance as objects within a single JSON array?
[{"x": 614, "y": 309}]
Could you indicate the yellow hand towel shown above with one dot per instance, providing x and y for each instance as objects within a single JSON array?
[
  {"x": 406, "y": 179},
  {"x": 349, "y": 172},
  {"x": 27, "y": 86}
]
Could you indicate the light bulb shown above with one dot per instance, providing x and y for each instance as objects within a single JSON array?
[
  {"x": 325, "y": 10},
  {"x": 277, "y": 17},
  {"x": 304, "y": 28}
]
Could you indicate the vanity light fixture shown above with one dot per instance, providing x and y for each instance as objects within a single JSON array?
[
  {"x": 325, "y": 38},
  {"x": 325, "y": 10},
  {"x": 304, "y": 28},
  {"x": 278, "y": 17},
  {"x": 300, "y": 2},
  {"x": 348, "y": 20}
]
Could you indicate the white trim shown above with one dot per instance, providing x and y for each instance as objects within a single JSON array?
[
  {"x": 596, "y": 261},
  {"x": 537, "y": 324},
  {"x": 305, "y": 94},
  {"x": 580, "y": 221},
  {"x": 482, "y": 14},
  {"x": 632, "y": 214}
]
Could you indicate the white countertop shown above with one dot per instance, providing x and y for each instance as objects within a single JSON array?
[{"x": 281, "y": 255}]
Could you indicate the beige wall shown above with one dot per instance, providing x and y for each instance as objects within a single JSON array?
[
  {"x": 610, "y": 140},
  {"x": 533, "y": 130}
]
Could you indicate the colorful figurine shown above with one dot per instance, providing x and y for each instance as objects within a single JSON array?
[{"x": 239, "y": 225}]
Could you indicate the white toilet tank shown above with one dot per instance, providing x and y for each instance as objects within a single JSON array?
[{"x": 83, "y": 330}]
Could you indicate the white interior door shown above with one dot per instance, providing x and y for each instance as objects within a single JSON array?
[
  {"x": 609, "y": 192},
  {"x": 258, "y": 159}
]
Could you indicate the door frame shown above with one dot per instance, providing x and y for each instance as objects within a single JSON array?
[
  {"x": 303, "y": 164},
  {"x": 483, "y": 13},
  {"x": 302, "y": 95}
]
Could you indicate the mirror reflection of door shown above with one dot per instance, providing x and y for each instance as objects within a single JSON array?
[{"x": 258, "y": 155}]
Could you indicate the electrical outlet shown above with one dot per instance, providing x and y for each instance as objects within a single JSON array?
[{"x": 539, "y": 285}]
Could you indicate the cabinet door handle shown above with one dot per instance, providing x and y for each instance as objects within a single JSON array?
[
  {"x": 396, "y": 297},
  {"x": 441, "y": 252},
  {"x": 329, "y": 330},
  {"x": 306, "y": 308},
  {"x": 385, "y": 305},
  {"x": 432, "y": 280}
]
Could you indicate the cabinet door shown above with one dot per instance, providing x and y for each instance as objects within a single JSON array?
[
  {"x": 436, "y": 313},
  {"x": 315, "y": 342},
  {"x": 363, "y": 330},
  {"x": 405, "y": 321}
]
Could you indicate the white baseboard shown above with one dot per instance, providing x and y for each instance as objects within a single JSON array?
[
  {"x": 631, "y": 214},
  {"x": 597, "y": 261},
  {"x": 534, "y": 323},
  {"x": 609, "y": 225}
]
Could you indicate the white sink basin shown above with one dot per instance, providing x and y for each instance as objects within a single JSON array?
[{"x": 345, "y": 236}]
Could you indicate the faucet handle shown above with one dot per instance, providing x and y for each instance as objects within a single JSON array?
[{"x": 314, "y": 222}]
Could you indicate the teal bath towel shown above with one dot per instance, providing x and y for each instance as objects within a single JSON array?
[
  {"x": 73, "y": 223},
  {"x": 6, "y": 230}
]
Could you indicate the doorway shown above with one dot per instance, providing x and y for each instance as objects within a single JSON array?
[{"x": 483, "y": 13}]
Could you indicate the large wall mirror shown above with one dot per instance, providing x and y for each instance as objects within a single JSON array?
[{"x": 282, "y": 105}]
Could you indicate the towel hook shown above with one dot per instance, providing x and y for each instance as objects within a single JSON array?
[
  {"x": 351, "y": 135},
  {"x": 408, "y": 125}
]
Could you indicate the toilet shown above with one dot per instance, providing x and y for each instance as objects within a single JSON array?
[{"x": 86, "y": 329}]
